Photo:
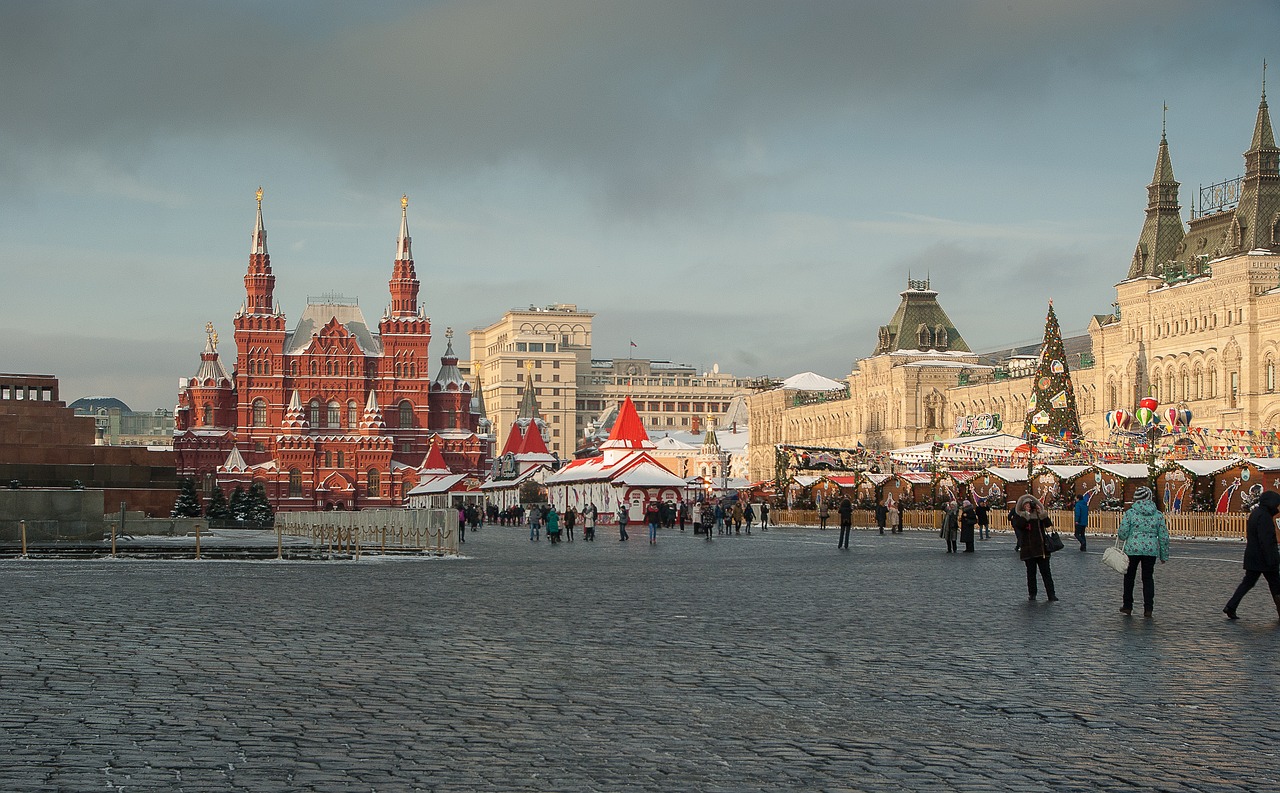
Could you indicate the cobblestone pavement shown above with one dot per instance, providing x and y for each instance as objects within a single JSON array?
[{"x": 766, "y": 662}]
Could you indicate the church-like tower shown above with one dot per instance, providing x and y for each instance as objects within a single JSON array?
[{"x": 1162, "y": 233}]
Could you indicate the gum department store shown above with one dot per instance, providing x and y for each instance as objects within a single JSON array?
[{"x": 1196, "y": 321}]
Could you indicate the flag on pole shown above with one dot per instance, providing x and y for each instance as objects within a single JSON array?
[{"x": 633, "y": 344}]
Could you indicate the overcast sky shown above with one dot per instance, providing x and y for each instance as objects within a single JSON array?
[{"x": 739, "y": 183}]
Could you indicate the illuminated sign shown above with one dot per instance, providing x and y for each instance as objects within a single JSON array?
[{"x": 981, "y": 424}]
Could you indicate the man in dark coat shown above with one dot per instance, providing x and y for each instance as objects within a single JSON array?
[
  {"x": 1261, "y": 553},
  {"x": 882, "y": 516},
  {"x": 846, "y": 522}
]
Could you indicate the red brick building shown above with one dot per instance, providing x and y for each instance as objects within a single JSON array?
[
  {"x": 44, "y": 444},
  {"x": 333, "y": 413}
]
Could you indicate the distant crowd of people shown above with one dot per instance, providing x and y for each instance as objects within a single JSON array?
[{"x": 1143, "y": 536}]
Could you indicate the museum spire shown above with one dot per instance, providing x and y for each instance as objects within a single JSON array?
[
  {"x": 259, "y": 283},
  {"x": 404, "y": 280}
]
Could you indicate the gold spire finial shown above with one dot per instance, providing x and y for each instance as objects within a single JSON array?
[
  {"x": 404, "y": 201},
  {"x": 213, "y": 335},
  {"x": 1164, "y": 115},
  {"x": 528, "y": 365},
  {"x": 259, "y": 194},
  {"x": 448, "y": 332}
]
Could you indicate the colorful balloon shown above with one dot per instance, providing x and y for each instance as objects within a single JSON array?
[
  {"x": 1174, "y": 417},
  {"x": 1150, "y": 403},
  {"x": 1184, "y": 417},
  {"x": 1123, "y": 419},
  {"x": 1145, "y": 416}
]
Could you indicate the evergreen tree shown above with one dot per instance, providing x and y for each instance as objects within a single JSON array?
[
  {"x": 1051, "y": 411},
  {"x": 217, "y": 508},
  {"x": 188, "y": 503},
  {"x": 259, "y": 511},
  {"x": 238, "y": 506}
]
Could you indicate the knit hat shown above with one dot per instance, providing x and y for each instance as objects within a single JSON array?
[
  {"x": 967, "y": 503},
  {"x": 1143, "y": 494}
]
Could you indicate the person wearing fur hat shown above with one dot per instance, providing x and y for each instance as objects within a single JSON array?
[
  {"x": 950, "y": 525},
  {"x": 1261, "y": 554},
  {"x": 1030, "y": 522},
  {"x": 1145, "y": 538}
]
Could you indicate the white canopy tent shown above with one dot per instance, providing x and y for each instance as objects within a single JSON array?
[{"x": 999, "y": 447}]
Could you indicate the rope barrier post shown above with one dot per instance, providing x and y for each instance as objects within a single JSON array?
[
  {"x": 197, "y": 539},
  {"x": 384, "y": 540},
  {"x": 279, "y": 541},
  {"x": 113, "y": 539},
  {"x": 23, "y": 525},
  {"x": 356, "y": 532}
]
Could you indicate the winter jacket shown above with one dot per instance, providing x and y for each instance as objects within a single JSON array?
[
  {"x": 1082, "y": 512},
  {"x": 553, "y": 522},
  {"x": 968, "y": 519},
  {"x": 1143, "y": 532},
  {"x": 1260, "y": 549},
  {"x": 1030, "y": 530}
]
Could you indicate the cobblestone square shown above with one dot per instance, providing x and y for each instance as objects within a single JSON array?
[{"x": 765, "y": 662}]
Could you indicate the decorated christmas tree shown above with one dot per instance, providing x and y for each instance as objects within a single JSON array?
[{"x": 1051, "y": 410}]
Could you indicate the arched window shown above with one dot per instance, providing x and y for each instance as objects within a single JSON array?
[
  {"x": 353, "y": 414},
  {"x": 351, "y": 368},
  {"x": 295, "y": 483},
  {"x": 375, "y": 484},
  {"x": 1271, "y": 374},
  {"x": 311, "y": 367},
  {"x": 335, "y": 420},
  {"x": 259, "y": 413},
  {"x": 1186, "y": 385},
  {"x": 293, "y": 368},
  {"x": 406, "y": 414},
  {"x": 413, "y": 369},
  {"x": 208, "y": 415},
  {"x": 1211, "y": 382},
  {"x": 315, "y": 413},
  {"x": 1169, "y": 394}
]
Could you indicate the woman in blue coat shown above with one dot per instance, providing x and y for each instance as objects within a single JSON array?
[{"x": 1145, "y": 538}]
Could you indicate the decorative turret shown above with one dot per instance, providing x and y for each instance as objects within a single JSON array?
[
  {"x": 372, "y": 422},
  {"x": 1162, "y": 230},
  {"x": 628, "y": 432},
  {"x": 259, "y": 283},
  {"x": 919, "y": 324},
  {"x": 295, "y": 418},
  {"x": 404, "y": 281},
  {"x": 450, "y": 403},
  {"x": 1257, "y": 221},
  {"x": 529, "y": 399},
  {"x": 209, "y": 399}
]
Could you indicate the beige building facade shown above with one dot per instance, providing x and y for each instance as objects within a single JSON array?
[
  {"x": 1196, "y": 321},
  {"x": 552, "y": 346}
]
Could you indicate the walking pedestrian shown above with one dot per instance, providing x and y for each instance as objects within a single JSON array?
[
  {"x": 737, "y": 517},
  {"x": 984, "y": 519},
  {"x": 462, "y": 525},
  {"x": 1146, "y": 538},
  {"x": 535, "y": 523},
  {"x": 894, "y": 519},
  {"x": 1261, "y": 554},
  {"x": 882, "y": 515},
  {"x": 846, "y": 522},
  {"x": 719, "y": 517},
  {"x": 653, "y": 514},
  {"x": 823, "y": 514},
  {"x": 764, "y": 516},
  {"x": 749, "y": 515},
  {"x": 682, "y": 514},
  {"x": 589, "y": 523},
  {"x": 1081, "y": 517},
  {"x": 695, "y": 515},
  {"x": 553, "y": 525},
  {"x": 968, "y": 520},
  {"x": 623, "y": 515},
  {"x": 1030, "y": 523},
  {"x": 570, "y": 517},
  {"x": 950, "y": 525}
]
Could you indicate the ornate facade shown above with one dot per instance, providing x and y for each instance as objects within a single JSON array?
[
  {"x": 330, "y": 414},
  {"x": 1196, "y": 321}
]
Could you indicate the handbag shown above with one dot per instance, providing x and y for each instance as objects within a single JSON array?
[
  {"x": 1115, "y": 558},
  {"x": 1052, "y": 542}
]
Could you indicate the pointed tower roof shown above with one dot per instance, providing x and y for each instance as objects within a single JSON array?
[
  {"x": 295, "y": 418},
  {"x": 532, "y": 442},
  {"x": 628, "y": 430},
  {"x": 435, "y": 459},
  {"x": 1259, "y": 206},
  {"x": 1162, "y": 229},
  {"x": 372, "y": 422},
  {"x": 1263, "y": 138},
  {"x": 210, "y": 364},
  {"x": 919, "y": 324},
  {"x": 529, "y": 400},
  {"x": 404, "y": 249},
  {"x": 235, "y": 460},
  {"x": 258, "y": 245},
  {"x": 710, "y": 443},
  {"x": 515, "y": 439},
  {"x": 449, "y": 373}
]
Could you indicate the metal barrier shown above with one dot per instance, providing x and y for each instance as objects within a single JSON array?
[{"x": 375, "y": 530}]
